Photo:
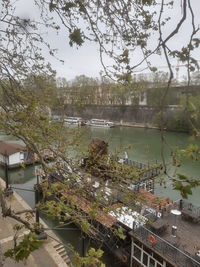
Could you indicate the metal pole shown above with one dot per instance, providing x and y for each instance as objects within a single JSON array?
[
  {"x": 6, "y": 174},
  {"x": 83, "y": 247},
  {"x": 6, "y": 169},
  {"x": 132, "y": 245},
  {"x": 37, "y": 217},
  {"x": 8, "y": 191}
]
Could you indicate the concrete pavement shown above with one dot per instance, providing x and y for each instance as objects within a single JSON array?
[{"x": 51, "y": 254}]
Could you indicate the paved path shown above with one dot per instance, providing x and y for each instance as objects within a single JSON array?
[{"x": 51, "y": 254}]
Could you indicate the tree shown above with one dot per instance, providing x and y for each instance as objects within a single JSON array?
[
  {"x": 195, "y": 78},
  {"x": 123, "y": 30}
]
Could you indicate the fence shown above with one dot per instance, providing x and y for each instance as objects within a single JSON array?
[
  {"x": 169, "y": 252},
  {"x": 189, "y": 206},
  {"x": 149, "y": 171},
  {"x": 133, "y": 163}
]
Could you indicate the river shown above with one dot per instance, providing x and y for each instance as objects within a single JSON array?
[{"x": 145, "y": 146}]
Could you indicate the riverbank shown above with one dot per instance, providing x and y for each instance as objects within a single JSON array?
[
  {"x": 144, "y": 116},
  {"x": 148, "y": 126},
  {"x": 52, "y": 253},
  {"x": 137, "y": 125}
]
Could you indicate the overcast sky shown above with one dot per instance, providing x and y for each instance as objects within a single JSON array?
[{"x": 85, "y": 59}]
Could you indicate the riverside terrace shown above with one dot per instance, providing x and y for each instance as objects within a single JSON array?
[
  {"x": 172, "y": 250},
  {"x": 173, "y": 240},
  {"x": 153, "y": 242}
]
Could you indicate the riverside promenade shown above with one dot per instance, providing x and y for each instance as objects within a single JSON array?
[{"x": 52, "y": 253}]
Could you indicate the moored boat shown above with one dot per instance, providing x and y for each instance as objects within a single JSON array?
[
  {"x": 147, "y": 228},
  {"x": 101, "y": 123},
  {"x": 74, "y": 121},
  {"x": 141, "y": 230}
]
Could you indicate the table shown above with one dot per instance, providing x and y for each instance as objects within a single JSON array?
[
  {"x": 159, "y": 226},
  {"x": 197, "y": 256},
  {"x": 176, "y": 212}
]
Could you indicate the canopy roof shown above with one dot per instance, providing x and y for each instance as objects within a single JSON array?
[{"x": 10, "y": 148}]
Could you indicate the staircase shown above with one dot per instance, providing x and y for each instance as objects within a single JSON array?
[{"x": 61, "y": 250}]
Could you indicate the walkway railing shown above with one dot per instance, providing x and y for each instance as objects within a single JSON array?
[
  {"x": 169, "y": 252},
  {"x": 133, "y": 163},
  {"x": 184, "y": 204},
  {"x": 189, "y": 206},
  {"x": 149, "y": 171}
]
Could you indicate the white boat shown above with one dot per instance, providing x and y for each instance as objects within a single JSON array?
[
  {"x": 74, "y": 120},
  {"x": 101, "y": 123}
]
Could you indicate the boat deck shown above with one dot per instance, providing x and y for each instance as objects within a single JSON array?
[
  {"x": 185, "y": 238},
  {"x": 174, "y": 234}
]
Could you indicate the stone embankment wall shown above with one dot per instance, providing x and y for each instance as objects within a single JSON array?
[{"x": 121, "y": 114}]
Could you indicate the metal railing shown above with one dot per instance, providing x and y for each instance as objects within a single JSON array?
[
  {"x": 169, "y": 252},
  {"x": 149, "y": 171},
  {"x": 133, "y": 163},
  {"x": 189, "y": 206}
]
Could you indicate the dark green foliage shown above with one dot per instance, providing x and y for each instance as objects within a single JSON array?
[
  {"x": 185, "y": 185},
  {"x": 68, "y": 6},
  {"x": 25, "y": 247},
  {"x": 76, "y": 37},
  {"x": 92, "y": 259}
]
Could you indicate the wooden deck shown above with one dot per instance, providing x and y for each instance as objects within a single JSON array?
[
  {"x": 187, "y": 234},
  {"x": 185, "y": 240}
]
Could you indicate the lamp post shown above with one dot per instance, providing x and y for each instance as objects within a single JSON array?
[
  {"x": 6, "y": 170},
  {"x": 41, "y": 234},
  {"x": 37, "y": 216},
  {"x": 8, "y": 190},
  {"x": 37, "y": 198},
  {"x": 83, "y": 247}
]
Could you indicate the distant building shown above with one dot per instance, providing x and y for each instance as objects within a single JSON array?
[{"x": 13, "y": 154}]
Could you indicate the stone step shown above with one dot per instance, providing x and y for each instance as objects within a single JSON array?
[
  {"x": 60, "y": 248},
  {"x": 58, "y": 245},
  {"x": 66, "y": 259},
  {"x": 62, "y": 252}
]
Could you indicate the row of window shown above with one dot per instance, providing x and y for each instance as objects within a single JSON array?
[{"x": 146, "y": 257}]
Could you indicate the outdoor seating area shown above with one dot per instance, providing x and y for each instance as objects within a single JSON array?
[
  {"x": 188, "y": 215},
  {"x": 178, "y": 226},
  {"x": 159, "y": 227}
]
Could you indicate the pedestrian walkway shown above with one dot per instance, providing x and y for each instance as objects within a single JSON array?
[{"x": 52, "y": 253}]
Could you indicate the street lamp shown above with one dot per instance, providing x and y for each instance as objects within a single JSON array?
[
  {"x": 37, "y": 198},
  {"x": 8, "y": 190}
]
